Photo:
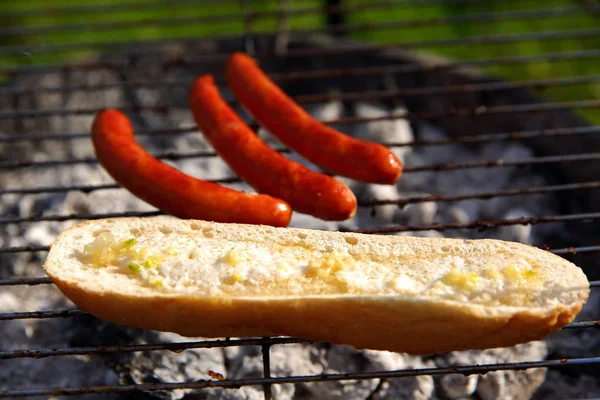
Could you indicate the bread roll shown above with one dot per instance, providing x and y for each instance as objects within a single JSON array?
[{"x": 403, "y": 294}]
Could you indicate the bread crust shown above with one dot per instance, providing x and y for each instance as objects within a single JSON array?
[
  {"x": 393, "y": 323},
  {"x": 363, "y": 322}
]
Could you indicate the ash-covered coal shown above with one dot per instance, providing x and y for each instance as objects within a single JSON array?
[
  {"x": 246, "y": 362},
  {"x": 163, "y": 366}
]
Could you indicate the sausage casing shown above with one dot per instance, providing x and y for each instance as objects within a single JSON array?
[
  {"x": 171, "y": 190},
  {"x": 265, "y": 169},
  {"x": 326, "y": 147}
]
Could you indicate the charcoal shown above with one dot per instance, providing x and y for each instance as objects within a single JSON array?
[
  {"x": 498, "y": 384},
  {"x": 165, "y": 366}
]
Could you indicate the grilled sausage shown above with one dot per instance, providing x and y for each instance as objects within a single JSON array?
[
  {"x": 265, "y": 169},
  {"x": 171, "y": 190},
  {"x": 324, "y": 146}
]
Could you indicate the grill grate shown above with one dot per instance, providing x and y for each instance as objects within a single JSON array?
[
  {"x": 128, "y": 57},
  {"x": 466, "y": 370}
]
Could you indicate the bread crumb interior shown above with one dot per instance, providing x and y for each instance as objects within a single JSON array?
[{"x": 201, "y": 262}]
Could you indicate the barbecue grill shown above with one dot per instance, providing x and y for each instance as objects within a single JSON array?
[{"x": 48, "y": 105}]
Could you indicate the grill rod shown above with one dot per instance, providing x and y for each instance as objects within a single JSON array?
[
  {"x": 481, "y": 225},
  {"x": 137, "y": 6},
  {"x": 106, "y": 8},
  {"x": 407, "y": 170},
  {"x": 464, "y": 370},
  {"x": 348, "y": 96},
  {"x": 528, "y": 108},
  {"x": 178, "y": 346},
  {"x": 410, "y": 68},
  {"x": 204, "y": 19},
  {"x": 363, "y": 203},
  {"x": 479, "y": 138},
  {"x": 302, "y": 53},
  {"x": 520, "y": 15},
  {"x": 33, "y": 249},
  {"x": 481, "y": 195},
  {"x": 485, "y": 40}
]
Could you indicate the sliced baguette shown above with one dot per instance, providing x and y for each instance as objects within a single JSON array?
[{"x": 403, "y": 294}]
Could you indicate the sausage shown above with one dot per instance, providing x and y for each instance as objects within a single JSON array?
[
  {"x": 171, "y": 190},
  {"x": 263, "y": 168},
  {"x": 326, "y": 147}
]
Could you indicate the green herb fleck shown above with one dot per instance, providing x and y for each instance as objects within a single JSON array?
[{"x": 135, "y": 267}]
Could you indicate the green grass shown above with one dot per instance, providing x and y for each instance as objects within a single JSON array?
[{"x": 538, "y": 70}]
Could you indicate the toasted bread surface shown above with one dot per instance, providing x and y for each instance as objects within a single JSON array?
[{"x": 396, "y": 293}]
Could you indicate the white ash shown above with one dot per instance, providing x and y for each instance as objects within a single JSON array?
[
  {"x": 286, "y": 360},
  {"x": 247, "y": 363},
  {"x": 420, "y": 387},
  {"x": 496, "y": 384},
  {"x": 31, "y": 373},
  {"x": 162, "y": 366},
  {"x": 455, "y": 386}
]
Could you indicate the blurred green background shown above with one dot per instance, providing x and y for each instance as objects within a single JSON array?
[{"x": 16, "y": 13}]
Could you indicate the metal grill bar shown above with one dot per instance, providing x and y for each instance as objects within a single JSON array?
[
  {"x": 266, "y": 355},
  {"x": 583, "y": 324},
  {"x": 576, "y": 250},
  {"x": 450, "y": 89},
  {"x": 471, "y": 18},
  {"x": 465, "y": 370},
  {"x": 205, "y": 19},
  {"x": 41, "y": 190},
  {"x": 136, "y": 6},
  {"x": 206, "y": 344},
  {"x": 504, "y": 163},
  {"x": 366, "y": 203},
  {"x": 473, "y": 40},
  {"x": 294, "y": 53},
  {"x": 411, "y": 116},
  {"x": 407, "y": 68},
  {"x": 25, "y": 281},
  {"x": 178, "y": 346},
  {"x": 23, "y": 249},
  {"x": 104, "y": 8},
  {"x": 482, "y": 224},
  {"x": 364, "y": 95},
  {"x": 42, "y": 315},
  {"x": 482, "y": 195},
  {"x": 557, "y": 12},
  {"x": 423, "y": 168},
  {"x": 58, "y": 218},
  {"x": 480, "y": 138},
  {"x": 477, "y": 224},
  {"x": 86, "y": 135}
]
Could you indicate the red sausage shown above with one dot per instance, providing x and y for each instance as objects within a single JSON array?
[
  {"x": 324, "y": 146},
  {"x": 265, "y": 169},
  {"x": 171, "y": 190}
]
